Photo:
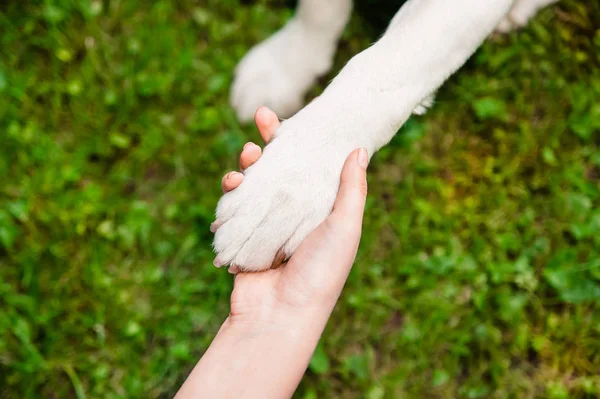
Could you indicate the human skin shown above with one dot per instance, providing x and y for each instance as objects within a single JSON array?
[{"x": 277, "y": 316}]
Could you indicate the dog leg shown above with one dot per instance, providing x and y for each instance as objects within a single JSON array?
[
  {"x": 279, "y": 72},
  {"x": 427, "y": 103},
  {"x": 292, "y": 188}
]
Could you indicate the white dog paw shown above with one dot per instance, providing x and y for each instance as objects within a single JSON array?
[
  {"x": 279, "y": 72},
  {"x": 285, "y": 195}
]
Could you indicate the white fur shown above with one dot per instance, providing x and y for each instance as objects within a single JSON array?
[
  {"x": 279, "y": 72},
  {"x": 291, "y": 189}
]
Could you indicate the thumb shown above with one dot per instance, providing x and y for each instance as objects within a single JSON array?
[
  {"x": 350, "y": 203},
  {"x": 335, "y": 241}
]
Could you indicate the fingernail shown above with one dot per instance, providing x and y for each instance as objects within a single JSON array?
[
  {"x": 247, "y": 144},
  {"x": 363, "y": 158}
]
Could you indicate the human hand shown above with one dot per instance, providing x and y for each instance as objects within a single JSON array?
[
  {"x": 312, "y": 279},
  {"x": 277, "y": 316}
]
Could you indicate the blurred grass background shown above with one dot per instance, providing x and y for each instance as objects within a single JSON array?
[{"x": 479, "y": 269}]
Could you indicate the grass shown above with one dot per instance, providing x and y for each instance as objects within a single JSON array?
[{"x": 478, "y": 274}]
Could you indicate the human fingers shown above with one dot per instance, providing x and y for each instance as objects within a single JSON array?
[
  {"x": 267, "y": 123},
  {"x": 231, "y": 181},
  {"x": 349, "y": 206},
  {"x": 250, "y": 154}
]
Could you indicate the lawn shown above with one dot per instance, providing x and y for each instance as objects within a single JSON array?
[{"x": 478, "y": 274}]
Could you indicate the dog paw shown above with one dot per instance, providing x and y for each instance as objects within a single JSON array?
[
  {"x": 279, "y": 72},
  {"x": 285, "y": 195}
]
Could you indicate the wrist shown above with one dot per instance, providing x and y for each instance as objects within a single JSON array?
[{"x": 294, "y": 320}]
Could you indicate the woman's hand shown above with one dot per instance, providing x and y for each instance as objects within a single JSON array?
[
  {"x": 314, "y": 276},
  {"x": 277, "y": 316}
]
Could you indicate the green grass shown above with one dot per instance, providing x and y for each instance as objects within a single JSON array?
[{"x": 479, "y": 269}]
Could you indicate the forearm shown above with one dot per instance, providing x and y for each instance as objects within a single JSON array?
[{"x": 251, "y": 360}]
